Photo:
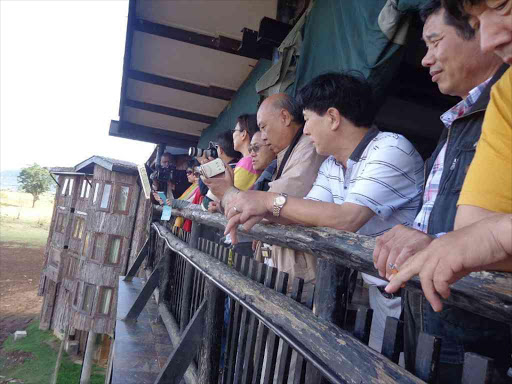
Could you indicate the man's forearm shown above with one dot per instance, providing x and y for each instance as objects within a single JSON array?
[
  {"x": 502, "y": 232},
  {"x": 320, "y": 214}
]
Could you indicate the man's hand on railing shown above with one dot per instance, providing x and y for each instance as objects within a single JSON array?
[
  {"x": 247, "y": 208},
  {"x": 396, "y": 246},
  {"x": 485, "y": 245}
]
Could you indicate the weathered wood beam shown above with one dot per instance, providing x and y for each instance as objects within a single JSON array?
[
  {"x": 184, "y": 352},
  {"x": 221, "y": 43},
  {"x": 484, "y": 293},
  {"x": 144, "y": 295},
  {"x": 143, "y": 253},
  {"x": 168, "y": 111},
  {"x": 336, "y": 353},
  {"x": 210, "y": 91},
  {"x": 174, "y": 332}
]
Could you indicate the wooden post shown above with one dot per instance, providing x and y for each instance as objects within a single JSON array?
[
  {"x": 90, "y": 350},
  {"x": 59, "y": 356}
]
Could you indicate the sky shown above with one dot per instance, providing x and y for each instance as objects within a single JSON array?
[{"x": 60, "y": 82}]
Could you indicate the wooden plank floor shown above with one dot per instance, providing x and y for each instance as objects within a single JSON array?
[{"x": 141, "y": 348}]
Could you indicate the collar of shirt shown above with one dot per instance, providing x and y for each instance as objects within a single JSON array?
[
  {"x": 359, "y": 150},
  {"x": 461, "y": 108}
]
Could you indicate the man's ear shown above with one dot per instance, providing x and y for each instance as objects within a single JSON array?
[
  {"x": 285, "y": 117},
  {"x": 335, "y": 118}
]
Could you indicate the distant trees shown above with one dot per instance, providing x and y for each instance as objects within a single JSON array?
[{"x": 34, "y": 180}]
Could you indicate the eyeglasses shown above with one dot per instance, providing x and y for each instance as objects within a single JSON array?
[
  {"x": 256, "y": 148},
  {"x": 236, "y": 130},
  {"x": 189, "y": 173}
]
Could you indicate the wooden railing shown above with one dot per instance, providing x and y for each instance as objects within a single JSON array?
[
  {"x": 483, "y": 293},
  {"x": 231, "y": 321}
]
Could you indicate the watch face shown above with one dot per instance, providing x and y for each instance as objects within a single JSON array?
[{"x": 280, "y": 200}]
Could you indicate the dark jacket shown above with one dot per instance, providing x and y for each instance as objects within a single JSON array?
[
  {"x": 266, "y": 177},
  {"x": 462, "y": 139},
  {"x": 461, "y": 331}
]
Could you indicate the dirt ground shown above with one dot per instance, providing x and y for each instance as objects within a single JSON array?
[{"x": 20, "y": 269}]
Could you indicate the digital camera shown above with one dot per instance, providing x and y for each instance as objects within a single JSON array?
[
  {"x": 171, "y": 174},
  {"x": 211, "y": 151}
]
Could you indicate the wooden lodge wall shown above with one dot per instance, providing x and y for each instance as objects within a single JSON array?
[{"x": 88, "y": 248}]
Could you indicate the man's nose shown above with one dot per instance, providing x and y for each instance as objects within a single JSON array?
[{"x": 428, "y": 59}]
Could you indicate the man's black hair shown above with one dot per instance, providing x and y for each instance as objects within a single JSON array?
[
  {"x": 455, "y": 8},
  {"x": 248, "y": 123},
  {"x": 225, "y": 141},
  {"x": 348, "y": 92},
  {"x": 461, "y": 24},
  {"x": 291, "y": 105}
]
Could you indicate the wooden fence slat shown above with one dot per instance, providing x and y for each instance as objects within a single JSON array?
[
  {"x": 286, "y": 350},
  {"x": 261, "y": 338},
  {"x": 427, "y": 357},
  {"x": 209, "y": 359},
  {"x": 186, "y": 297},
  {"x": 236, "y": 326},
  {"x": 272, "y": 339},
  {"x": 302, "y": 364},
  {"x": 244, "y": 325},
  {"x": 363, "y": 324},
  {"x": 252, "y": 333},
  {"x": 477, "y": 369},
  {"x": 392, "y": 343}
]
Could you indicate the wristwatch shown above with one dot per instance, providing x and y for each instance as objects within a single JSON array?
[{"x": 279, "y": 202}]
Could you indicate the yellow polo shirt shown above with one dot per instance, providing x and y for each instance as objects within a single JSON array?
[{"x": 488, "y": 183}]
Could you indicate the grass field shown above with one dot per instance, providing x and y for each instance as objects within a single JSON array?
[
  {"x": 22, "y": 224},
  {"x": 40, "y": 349}
]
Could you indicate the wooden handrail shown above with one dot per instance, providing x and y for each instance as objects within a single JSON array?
[
  {"x": 339, "y": 356},
  {"x": 485, "y": 293}
]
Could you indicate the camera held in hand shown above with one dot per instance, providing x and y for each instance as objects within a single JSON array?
[
  {"x": 211, "y": 151},
  {"x": 170, "y": 174}
]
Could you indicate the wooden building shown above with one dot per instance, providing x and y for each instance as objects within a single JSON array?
[{"x": 88, "y": 246}]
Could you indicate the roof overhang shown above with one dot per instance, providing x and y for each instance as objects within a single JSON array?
[
  {"x": 87, "y": 166},
  {"x": 184, "y": 61}
]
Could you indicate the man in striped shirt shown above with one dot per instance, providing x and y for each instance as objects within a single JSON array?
[{"x": 371, "y": 181}]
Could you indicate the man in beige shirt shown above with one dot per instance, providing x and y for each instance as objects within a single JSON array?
[{"x": 281, "y": 121}]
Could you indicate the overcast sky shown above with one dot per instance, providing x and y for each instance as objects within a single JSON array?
[{"x": 61, "y": 67}]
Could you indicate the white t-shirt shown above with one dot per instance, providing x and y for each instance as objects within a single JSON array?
[{"x": 384, "y": 173}]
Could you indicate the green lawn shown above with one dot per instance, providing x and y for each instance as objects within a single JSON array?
[
  {"x": 22, "y": 224},
  {"x": 39, "y": 368},
  {"x": 25, "y": 233}
]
